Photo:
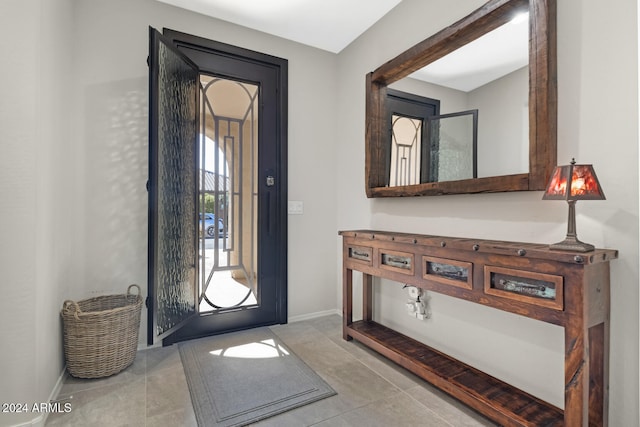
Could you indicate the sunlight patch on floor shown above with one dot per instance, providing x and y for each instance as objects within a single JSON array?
[
  {"x": 225, "y": 291},
  {"x": 266, "y": 349}
]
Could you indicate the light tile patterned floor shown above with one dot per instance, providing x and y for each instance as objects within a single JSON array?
[{"x": 372, "y": 391}]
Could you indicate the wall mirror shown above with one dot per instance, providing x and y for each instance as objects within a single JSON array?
[{"x": 514, "y": 126}]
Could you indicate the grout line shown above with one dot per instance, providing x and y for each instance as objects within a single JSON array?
[
  {"x": 404, "y": 392},
  {"x": 381, "y": 359},
  {"x": 437, "y": 415}
]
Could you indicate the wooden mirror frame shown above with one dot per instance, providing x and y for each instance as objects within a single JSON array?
[{"x": 542, "y": 100}]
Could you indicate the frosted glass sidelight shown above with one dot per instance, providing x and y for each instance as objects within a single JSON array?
[{"x": 176, "y": 188}]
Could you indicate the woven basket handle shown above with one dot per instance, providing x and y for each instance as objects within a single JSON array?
[
  {"x": 68, "y": 304},
  {"x": 133, "y": 286}
]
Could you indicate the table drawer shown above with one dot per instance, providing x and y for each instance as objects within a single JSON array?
[
  {"x": 360, "y": 254},
  {"x": 541, "y": 289},
  {"x": 400, "y": 262},
  {"x": 448, "y": 271}
]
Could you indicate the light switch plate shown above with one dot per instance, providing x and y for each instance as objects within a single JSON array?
[{"x": 295, "y": 207}]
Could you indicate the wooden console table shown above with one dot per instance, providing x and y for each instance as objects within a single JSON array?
[{"x": 569, "y": 289}]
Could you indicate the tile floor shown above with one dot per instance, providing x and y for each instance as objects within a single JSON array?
[{"x": 372, "y": 391}]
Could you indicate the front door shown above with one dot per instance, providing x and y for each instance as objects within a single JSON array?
[{"x": 240, "y": 191}]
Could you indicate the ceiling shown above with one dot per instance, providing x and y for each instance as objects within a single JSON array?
[
  {"x": 494, "y": 55},
  {"x": 330, "y": 25}
]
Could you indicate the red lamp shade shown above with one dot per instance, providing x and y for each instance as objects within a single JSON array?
[
  {"x": 580, "y": 179},
  {"x": 572, "y": 183}
]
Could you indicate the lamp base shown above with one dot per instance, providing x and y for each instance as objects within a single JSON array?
[{"x": 571, "y": 243}]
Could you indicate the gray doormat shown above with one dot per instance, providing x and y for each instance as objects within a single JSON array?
[{"x": 242, "y": 377}]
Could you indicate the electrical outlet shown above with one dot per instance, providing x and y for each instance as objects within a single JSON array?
[
  {"x": 411, "y": 308},
  {"x": 417, "y": 309}
]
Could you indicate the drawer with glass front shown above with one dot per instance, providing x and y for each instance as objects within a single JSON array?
[
  {"x": 448, "y": 271},
  {"x": 535, "y": 288},
  {"x": 400, "y": 262},
  {"x": 361, "y": 254}
]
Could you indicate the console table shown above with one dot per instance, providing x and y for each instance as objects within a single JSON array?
[{"x": 569, "y": 289}]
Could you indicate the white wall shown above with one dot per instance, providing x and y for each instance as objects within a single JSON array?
[
  {"x": 112, "y": 84},
  {"x": 503, "y": 124},
  {"x": 597, "y": 123},
  {"x": 17, "y": 169},
  {"x": 36, "y": 174},
  {"x": 55, "y": 252}
]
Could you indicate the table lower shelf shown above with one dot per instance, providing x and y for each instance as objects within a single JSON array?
[{"x": 491, "y": 397}]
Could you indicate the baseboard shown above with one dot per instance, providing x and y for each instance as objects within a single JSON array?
[
  {"x": 309, "y": 316},
  {"x": 41, "y": 419},
  {"x": 144, "y": 346}
]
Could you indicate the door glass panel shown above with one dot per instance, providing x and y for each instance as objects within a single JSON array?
[
  {"x": 173, "y": 179},
  {"x": 406, "y": 138},
  {"x": 228, "y": 206},
  {"x": 453, "y": 146}
]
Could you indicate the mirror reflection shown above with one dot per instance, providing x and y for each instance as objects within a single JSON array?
[
  {"x": 453, "y": 146},
  {"x": 406, "y": 143},
  {"x": 489, "y": 77}
]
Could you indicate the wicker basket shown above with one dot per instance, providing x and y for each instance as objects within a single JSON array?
[{"x": 101, "y": 333}]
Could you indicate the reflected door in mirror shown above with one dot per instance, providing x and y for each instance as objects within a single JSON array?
[{"x": 408, "y": 151}]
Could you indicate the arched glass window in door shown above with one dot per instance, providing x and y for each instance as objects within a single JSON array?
[
  {"x": 228, "y": 194},
  {"x": 406, "y": 139}
]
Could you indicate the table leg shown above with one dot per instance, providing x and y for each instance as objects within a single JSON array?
[
  {"x": 367, "y": 297},
  {"x": 347, "y": 301}
]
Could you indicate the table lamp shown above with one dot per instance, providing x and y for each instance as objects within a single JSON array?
[{"x": 572, "y": 183}]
